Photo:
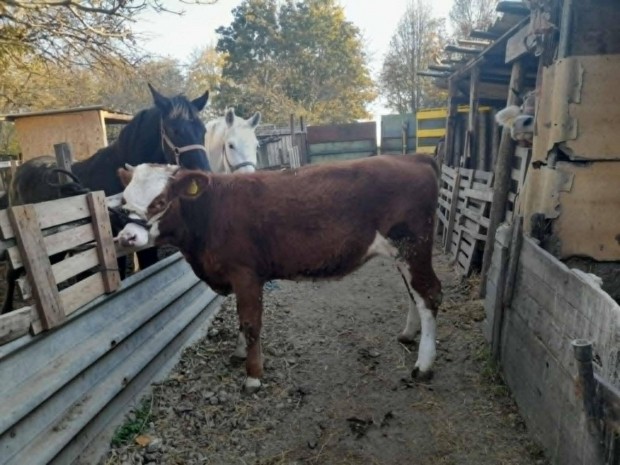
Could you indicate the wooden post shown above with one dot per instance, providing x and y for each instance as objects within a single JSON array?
[
  {"x": 451, "y": 123},
  {"x": 37, "y": 264},
  {"x": 503, "y": 169},
  {"x": 105, "y": 242},
  {"x": 513, "y": 260},
  {"x": 454, "y": 201},
  {"x": 565, "y": 29},
  {"x": 64, "y": 159},
  {"x": 470, "y": 139}
]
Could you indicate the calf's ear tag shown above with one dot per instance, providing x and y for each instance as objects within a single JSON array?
[{"x": 192, "y": 189}]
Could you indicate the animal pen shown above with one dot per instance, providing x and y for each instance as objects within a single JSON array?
[
  {"x": 85, "y": 344},
  {"x": 540, "y": 222}
]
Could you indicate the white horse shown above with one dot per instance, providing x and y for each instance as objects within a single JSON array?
[{"x": 231, "y": 143}]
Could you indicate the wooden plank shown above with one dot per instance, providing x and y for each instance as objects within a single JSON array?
[
  {"x": 105, "y": 241},
  {"x": 56, "y": 243},
  {"x": 14, "y": 324},
  {"x": 515, "y": 45},
  {"x": 452, "y": 214},
  {"x": 485, "y": 195},
  {"x": 81, "y": 293},
  {"x": 502, "y": 175},
  {"x": 51, "y": 213},
  {"x": 36, "y": 262},
  {"x": 75, "y": 265}
]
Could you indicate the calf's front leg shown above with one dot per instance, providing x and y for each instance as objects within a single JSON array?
[{"x": 249, "y": 292}]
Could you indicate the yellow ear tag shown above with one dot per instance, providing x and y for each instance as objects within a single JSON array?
[{"x": 192, "y": 189}]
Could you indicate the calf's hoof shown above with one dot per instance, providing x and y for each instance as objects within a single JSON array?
[
  {"x": 406, "y": 338},
  {"x": 236, "y": 359},
  {"x": 416, "y": 373},
  {"x": 251, "y": 385}
]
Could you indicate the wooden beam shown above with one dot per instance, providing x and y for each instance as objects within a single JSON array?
[
  {"x": 512, "y": 7},
  {"x": 483, "y": 35},
  {"x": 105, "y": 242},
  {"x": 37, "y": 264},
  {"x": 440, "y": 68},
  {"x": 474, "y": 87},
  {"x": 503, "y": 170},
  {"x": 465, "y": 50},
  {"x": 515, "y": 46},
  {"x": 433, "y": 74},
  {"x": 500, "y": 42}
]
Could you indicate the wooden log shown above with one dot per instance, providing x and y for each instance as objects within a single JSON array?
[
  {"x": 37, "y": 264},
  {"x": 503, "y": 169},
  {"x": 105, "y": 241}
]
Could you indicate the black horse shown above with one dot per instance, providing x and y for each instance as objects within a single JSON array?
[{"x": 169, "y": 132}]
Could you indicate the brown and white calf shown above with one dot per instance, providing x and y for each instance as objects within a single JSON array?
[{"x": 239, "y": 231}]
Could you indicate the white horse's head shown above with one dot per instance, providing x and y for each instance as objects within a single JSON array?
[{"x": 232, "y": 144}]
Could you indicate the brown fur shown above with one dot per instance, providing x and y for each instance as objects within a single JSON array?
[{"x": 240, "y": 231}]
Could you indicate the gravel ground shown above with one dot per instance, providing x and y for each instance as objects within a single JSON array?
[{"x": 337, "y": 386}]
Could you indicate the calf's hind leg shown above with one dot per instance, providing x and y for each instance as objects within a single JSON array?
[
  {"x": 425, "y": 294},
  {"x": 249, "y": 294}
]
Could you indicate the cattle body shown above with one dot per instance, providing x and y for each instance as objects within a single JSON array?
[{"x": 239, "y": 231}]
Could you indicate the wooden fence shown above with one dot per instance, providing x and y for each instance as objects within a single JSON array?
[
  {"x": 536, "y": 309},
  {"x": 281, "y": 147},
  {"x": 31, "y": 234},
  {"x": 463, "y": 214},
  {"x": 341, "y": 141}
]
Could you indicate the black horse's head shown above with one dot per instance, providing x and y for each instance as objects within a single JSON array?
[{"x": 182, "y": 131}]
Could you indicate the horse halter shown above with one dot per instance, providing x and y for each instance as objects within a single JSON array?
[
  {"x": 232, "y": 167},
  {"x": 178, "y": 150}
]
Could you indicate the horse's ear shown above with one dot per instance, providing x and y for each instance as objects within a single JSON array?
[
  {"x": 200, "y": 102},
  {"x": 230, "y": 116},
  {"x": 255, "y": 119},
  {"x": 125, "y": 175},
  {"x": 191, "y": 186},
  {"x": 161, "y": 102}
]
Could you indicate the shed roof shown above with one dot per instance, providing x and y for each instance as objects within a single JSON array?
[{"x": 110, "y": 116}]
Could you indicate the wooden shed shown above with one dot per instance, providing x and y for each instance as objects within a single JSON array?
[
  {"x": 83, "y": 128},
  {"x": 542, "y": 223}
]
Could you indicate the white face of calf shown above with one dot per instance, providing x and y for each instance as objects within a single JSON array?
[{"x": 143, "y": 184}]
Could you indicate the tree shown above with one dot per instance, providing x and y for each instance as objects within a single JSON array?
[
  {"x": 72, "y": 31},
  {"x": 417, "y": 42},
  {"x": 294, "y": 57},
  {"x": 205, "y": 72},
  {"x": 468, "y": 15}
]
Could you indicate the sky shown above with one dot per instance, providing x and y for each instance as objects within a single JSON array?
[{"x": 178, "y": 36}]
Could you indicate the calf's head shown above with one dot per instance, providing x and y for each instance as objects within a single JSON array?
[{"x": 153, "y": 192}]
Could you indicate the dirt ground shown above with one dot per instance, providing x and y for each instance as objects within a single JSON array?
[{"x": 337, "y": 386}]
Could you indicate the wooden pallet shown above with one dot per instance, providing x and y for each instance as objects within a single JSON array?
[
  {"x": 464, "y": 200},
  {"x": 78, "y": 227}
]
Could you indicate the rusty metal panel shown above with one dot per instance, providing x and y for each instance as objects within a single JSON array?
[
  {"x": 579, "y": 108},
  {"x": 342, "y": 132}
]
